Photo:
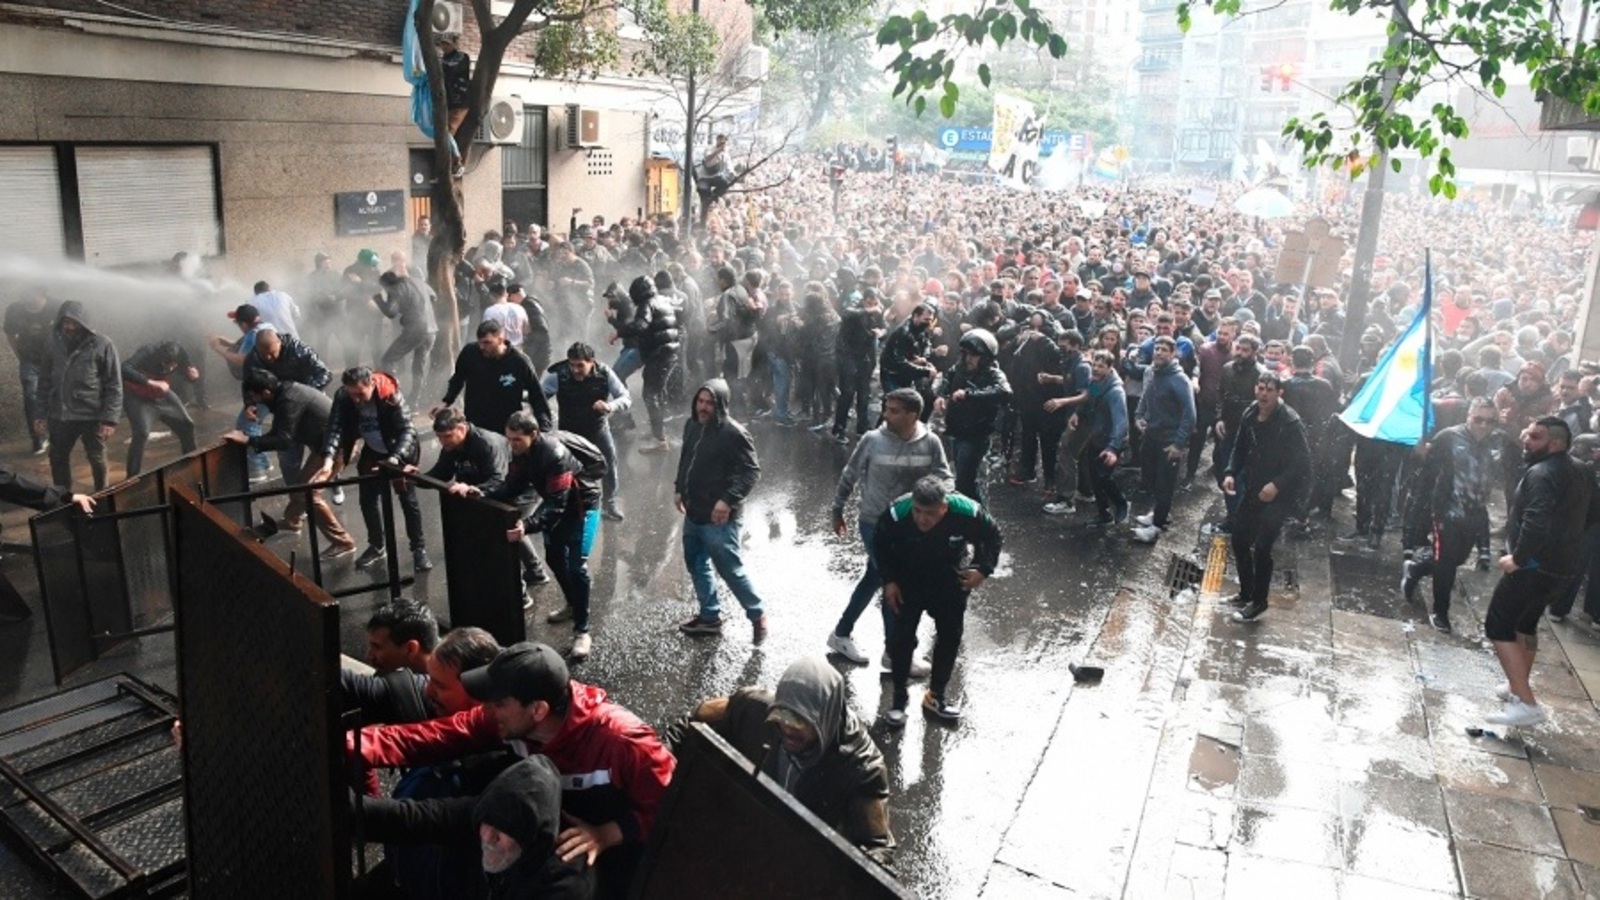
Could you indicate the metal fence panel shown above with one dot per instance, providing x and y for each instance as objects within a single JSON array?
[
  {"x": 102, "y": 576},
  {"x": 768, "y": 845},
  {"x": 482, "y": 571},
  {"x": 258, "y": 675}
]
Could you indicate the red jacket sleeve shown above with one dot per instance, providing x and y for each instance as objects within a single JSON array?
[
  {"x": 428, "y": 743},
  {"x": 645, "y": 767}
]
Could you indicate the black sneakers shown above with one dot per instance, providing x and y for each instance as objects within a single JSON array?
[
  {"x": 940, "y": 708},
  {"x": 1250, "y": 613}
]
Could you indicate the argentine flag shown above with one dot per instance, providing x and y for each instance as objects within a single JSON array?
[{"x": 1393, "y": 403}]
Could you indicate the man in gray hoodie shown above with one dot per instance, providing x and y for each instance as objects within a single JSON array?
[
  {"x": 82, "y": 393},
  {"x": 886, "y": 464},
  {"x": 1166, "y": 416}
]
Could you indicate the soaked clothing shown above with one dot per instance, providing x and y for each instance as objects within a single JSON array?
[{"x": 841, "y": 779}]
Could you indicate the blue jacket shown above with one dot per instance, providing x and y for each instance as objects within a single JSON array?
[
  {"x": 1108, "y": 414},
  {"x": 1167, "y": 406}
]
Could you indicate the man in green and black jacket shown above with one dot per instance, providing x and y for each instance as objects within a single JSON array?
[{"x": 934, "y": 547}]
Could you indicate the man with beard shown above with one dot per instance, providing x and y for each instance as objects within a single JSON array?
[
  {"x": 1166, "y": 416},
  {"x": 498, "y": 379},
  {"x": 717, "y": 469},
  {"x": 1235, "y": 392},
  {"x": 81, "y": 393},
  {"x": 805, "y": 737},
  {"x": 904, "y": 361},
  {"x": 1544, "y": 532},
  {"x": 1270, "y": 467},
  {"x": 587, "y": 394},
  {"x": 1462, "y": 469}
]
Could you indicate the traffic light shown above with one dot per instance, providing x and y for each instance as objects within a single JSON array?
[{"x": 1279, "y": 77}]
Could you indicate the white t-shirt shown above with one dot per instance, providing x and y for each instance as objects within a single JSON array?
[{"x": 513, "y": 320}]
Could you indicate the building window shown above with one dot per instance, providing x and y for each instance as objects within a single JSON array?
[{"x": 524, "y": 164}]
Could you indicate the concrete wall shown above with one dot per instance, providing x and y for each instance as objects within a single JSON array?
[{"x": 609, "y": 181}]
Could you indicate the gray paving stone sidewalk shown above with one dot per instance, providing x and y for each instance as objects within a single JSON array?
[{"x": 1320, "y": 752}]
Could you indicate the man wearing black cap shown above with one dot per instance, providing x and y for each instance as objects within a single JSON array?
[{"x": 614, "y": 769}]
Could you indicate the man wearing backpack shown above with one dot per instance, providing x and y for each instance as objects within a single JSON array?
[{"x": 564, "y": 472}]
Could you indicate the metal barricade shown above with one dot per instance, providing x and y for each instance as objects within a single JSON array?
[
  {"x": 263, "y": 754},
  {"x": 768, "y": 845},
  {"x": 482, "y": 569},
  {"x": 107, "y": 578}
]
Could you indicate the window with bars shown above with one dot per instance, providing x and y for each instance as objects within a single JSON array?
[{"x": 525, "y": 164}]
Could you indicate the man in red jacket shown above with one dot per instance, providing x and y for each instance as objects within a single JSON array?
[{"x": 614, "y": 769}]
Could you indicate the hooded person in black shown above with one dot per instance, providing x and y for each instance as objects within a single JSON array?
[
  {"x": 518, "y": 818},
  {"x": 806, "y": 738},
  {"x": 81, "y": 390},
  {"x": 717, "y": 469}
]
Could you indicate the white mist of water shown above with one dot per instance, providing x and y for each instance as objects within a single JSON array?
[{"x": 130, "y": 309}]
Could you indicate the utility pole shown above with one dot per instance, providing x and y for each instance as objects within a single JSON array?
[
  {"x": 1371, "y": 218},
  {"x": 688, "y": 143}
]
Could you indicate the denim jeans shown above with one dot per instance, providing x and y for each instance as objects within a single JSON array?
[
  {"x": 782, "y": 381},
  {"x": 568, "y": 560},
  {"x": 608, "y": 447},
  {"x": 62, "y": 436},
  {"x": 29, "y": 371},
  {"x": 707, "y": 546},
  {"x": 867, "y": 588},
  {"x": 252, "y": 428},
  {"x": 855, "y": 390},
  {"x": 966, "y": 460},
  {"x": 628, "y": 363},
  {"x": 371, "y": 496}
]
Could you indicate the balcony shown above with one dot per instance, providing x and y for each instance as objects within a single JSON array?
[{"x": 1153, "y": 62}]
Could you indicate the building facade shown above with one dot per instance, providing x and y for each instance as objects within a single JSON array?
[{"x": 260, "y": 133}]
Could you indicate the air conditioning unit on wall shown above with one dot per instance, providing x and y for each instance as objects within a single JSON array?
[
  {"x": 503, "y": 121},
  {"x": 583, "y": 128},
  {"x": 754, "y": 63},
  {"x": 448, "y": 18}
]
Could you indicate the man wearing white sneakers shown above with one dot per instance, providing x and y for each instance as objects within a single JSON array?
[
  {"x": 1166, "y": 416},
  {"x": 885, "y": 464},
  {"x": 1544, "y": 536}
]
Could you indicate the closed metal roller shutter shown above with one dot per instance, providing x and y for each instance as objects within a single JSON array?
[
  {"x": 30, "y": 188},
  {"x": 143, "y": 204}
]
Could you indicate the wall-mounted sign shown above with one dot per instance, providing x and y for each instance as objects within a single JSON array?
[{"x": 369, "y": 212}]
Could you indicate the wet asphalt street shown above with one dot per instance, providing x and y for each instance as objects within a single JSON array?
[{"x": 1320, "y": 752}]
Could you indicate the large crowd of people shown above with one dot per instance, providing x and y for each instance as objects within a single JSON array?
[{"x": 964, "y": 340}]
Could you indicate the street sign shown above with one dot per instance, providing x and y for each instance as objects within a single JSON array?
[
  {"x": 369, "y": 212},
  {"x": 1310, "y": 257}
]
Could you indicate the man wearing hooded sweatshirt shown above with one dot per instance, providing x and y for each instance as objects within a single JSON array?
[
  {"x": 1166, "y": 416},
  {"x": 82, "y": 395},
  {"x": 886, "y": 464},
  {"x": 717, "y": 468},
  {"x": 518, "y": 819},
  {"x": 805, "y": 737}
]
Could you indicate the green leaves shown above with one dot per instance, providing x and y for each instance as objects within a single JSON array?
[
  {"x": 929, "y": 47},
  {"x": 1438, "y": 47}
]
